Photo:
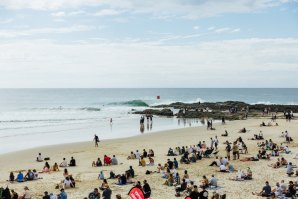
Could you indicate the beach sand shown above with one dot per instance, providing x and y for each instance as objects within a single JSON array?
[{"x": 85, "y": 153}]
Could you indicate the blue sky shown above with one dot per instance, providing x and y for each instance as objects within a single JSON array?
[{"x": 132, "y": 43}]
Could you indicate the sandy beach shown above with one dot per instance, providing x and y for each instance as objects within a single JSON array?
[{"x": 87, "y": 176}]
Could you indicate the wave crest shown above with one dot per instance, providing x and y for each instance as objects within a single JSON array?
[{"x": 131, "y": 103}]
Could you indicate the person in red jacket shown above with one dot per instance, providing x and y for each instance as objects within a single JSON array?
[{"x": 107, "y": 160}]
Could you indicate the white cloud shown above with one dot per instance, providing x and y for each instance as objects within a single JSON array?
[
  {"x": 49, "y": 30},
  {"x": 185, "y": 8},
  {"x": 196, "y": 27},
  {"x": 226, "y": 30},
  {"x": 58, "y": 14},
  {"x": 107, "y": 12},
  {"x": 6, "y": 21},
  {"x": 241, "y": 63}
]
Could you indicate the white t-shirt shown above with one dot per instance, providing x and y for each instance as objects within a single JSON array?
[
  {"x": 67, "y": 183},
  {"x": 64, "y": 164},
  {"x": 138, "y": 156},
  {"x": 27, "y": 195},
  {"x": 225, "y": 161},
  {"x": 217, "y": 162},
  {"x": 222, "y": 167},
  {"x": 39, "y": 158}
]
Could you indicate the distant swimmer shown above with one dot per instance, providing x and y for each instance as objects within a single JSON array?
[
  {"x": 111, "y": 121},
  {"x": 96, "y": 140}
]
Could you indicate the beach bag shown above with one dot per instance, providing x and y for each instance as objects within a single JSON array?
[{"x": 47, "y": 158}]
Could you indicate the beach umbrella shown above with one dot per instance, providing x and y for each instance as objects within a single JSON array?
[{"x": 136, "y": 193}]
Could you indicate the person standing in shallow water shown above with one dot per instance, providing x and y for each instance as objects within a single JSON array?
[{"x": 96, "y": 140}]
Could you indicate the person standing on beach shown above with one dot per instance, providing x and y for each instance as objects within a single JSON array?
[
  {"x": 228, "y": 150},
  {"x": 235, "y": 151},
  {"x": 96, "y": 140}
]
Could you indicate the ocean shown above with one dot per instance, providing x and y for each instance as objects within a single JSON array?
[{"x": 38, "y": 117}]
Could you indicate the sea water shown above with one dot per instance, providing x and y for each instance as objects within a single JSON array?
[{"x": 38, "y": 117}]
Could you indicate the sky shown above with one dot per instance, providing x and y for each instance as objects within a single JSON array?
[{"x": 148, "y": 44}]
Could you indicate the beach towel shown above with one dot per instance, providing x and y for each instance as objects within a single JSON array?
[{"x": 214, "y": 188}]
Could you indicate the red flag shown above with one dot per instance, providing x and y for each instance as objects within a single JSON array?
[{"x": 136, "y": 193}]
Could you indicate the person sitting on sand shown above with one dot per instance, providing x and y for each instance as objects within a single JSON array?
[
  {"x": 104, "y": 185},
  {"x": 95, "y": 194},
  {"x": 101, "y": 175},
  {"x": 98, "y": 163},
  {"x": 107, "y": 192},
  {"x": 182, "y": 187},
  {"x": 185, "y": 176},
  {"x": 131, "y": 156},
  {"x": 122, "y": 180},
  {"x": 159, "y": 168},
  {"x": 107, "y": 160},
  {"x": 114, "y": 160},
  {"x": 213, "y": 181},
  {"x": 72, "y": 181},
  {"x": 169, "y": 181},
  {"x": 222, "y": 168},
  {"x": 55, "y": 167},
  {"x": 63, "y": 163},
  {"x": 131, "y": 171},
  {"x": 283, "y": 161},
  {"x": 46, "y": 168},
  {"x": 72, "y": 162},
  {"x": 67, "y": 183},
  {"x": 20, "y": 177},
  {"x": 65, "y": 173},
  {"x": 35, "y": 174},
  {"x": 11, "y": 177},
  {"x": 151, "y": 162},
  {"x": 39, "y": 158},
  {"x": 266, "y": 191},
  {"x": 26, "y": 194},
  {"x": 290, "y": 170},
  {"x": 142, "y": 162},
  {"x": 194, "y": 192},
  {"x": 170, "y": 152},
  {"x": 29, "y": 176},
  {"x": 225, "y": 134},
  {"x": 151, "y": 153},
  {"x": 242, "y": 130},
  {"x": 128, "y": 177},
  {"x": 205, "y": 182},
  {"x": 248, "y": 175}
]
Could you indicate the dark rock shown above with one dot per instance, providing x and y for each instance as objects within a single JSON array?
[{"x": 163, "y": 112}]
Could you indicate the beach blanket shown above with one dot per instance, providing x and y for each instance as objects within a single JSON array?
[{"x": 214, "y": 188}]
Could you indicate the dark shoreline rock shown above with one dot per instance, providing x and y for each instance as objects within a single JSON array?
[
  {"x": 163, "y": 112},
  {"x": 230, "y": 110}
]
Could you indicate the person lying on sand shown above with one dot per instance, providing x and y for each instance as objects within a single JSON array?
[
  {"x": 275, "y": 165},
  {"x": 242, "y": 130}
]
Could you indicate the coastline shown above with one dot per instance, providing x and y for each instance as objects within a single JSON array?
[{"x": 85, "y": 153}]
